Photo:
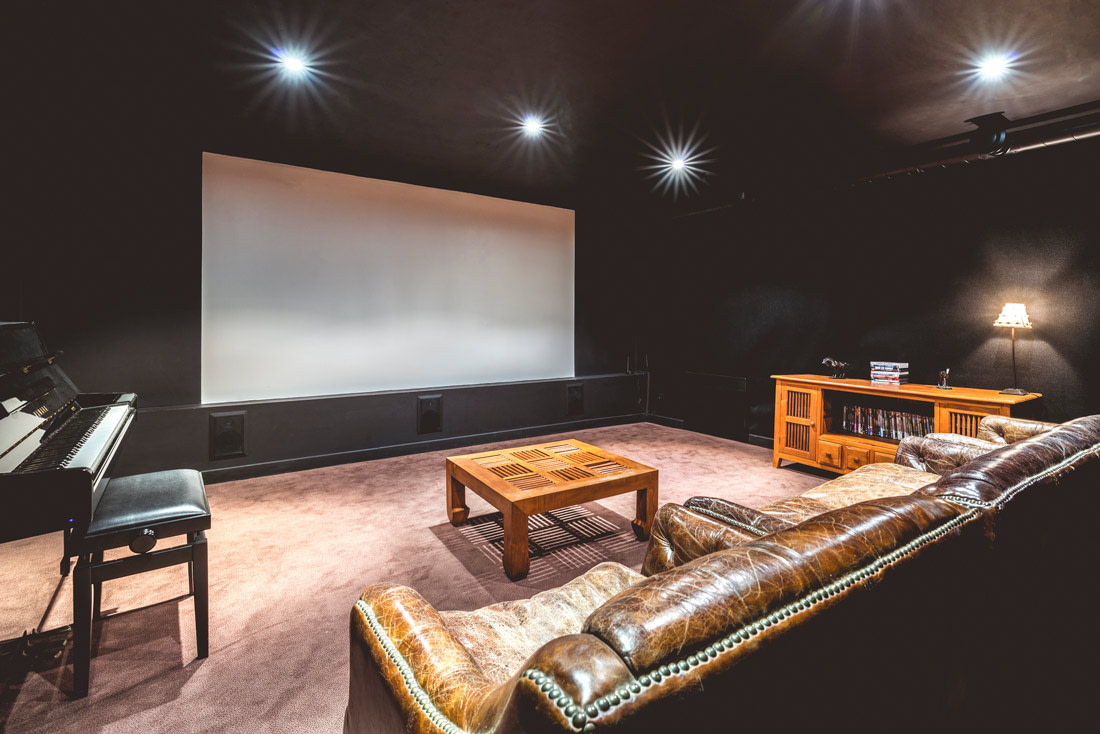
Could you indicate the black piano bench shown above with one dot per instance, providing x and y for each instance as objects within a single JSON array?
[{"x": 135, "y": 511}]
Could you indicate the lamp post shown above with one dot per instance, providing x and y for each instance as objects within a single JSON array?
[{"x": 1014, "y": 315}]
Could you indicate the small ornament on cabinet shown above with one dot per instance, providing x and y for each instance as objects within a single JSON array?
[
  {"x": 839, "y": 368},
  {"x": 942, "y": 384}
]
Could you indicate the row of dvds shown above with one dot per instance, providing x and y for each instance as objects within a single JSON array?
[{"x": 893, "y": 424}]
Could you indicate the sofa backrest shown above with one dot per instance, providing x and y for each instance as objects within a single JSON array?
[
  {"x": 1005, "y": 429},
  {"x": 821, "y": 606},
  {"x": 993, "y": 480}
]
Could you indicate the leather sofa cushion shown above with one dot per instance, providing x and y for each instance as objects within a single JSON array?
[
  {"x": 500, "y": 637},
  {"x": 865, "y": 483},
  {"x": 1002, "y": 429},
  {"x": 936, "y": 455},
  {"x": 959, "y": 438}
]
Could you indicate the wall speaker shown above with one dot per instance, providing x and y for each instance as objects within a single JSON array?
[
  {"x": 429, "y": 414},
  {"x": 574, "y": 398},
  {"x": 226, "y": 435}
]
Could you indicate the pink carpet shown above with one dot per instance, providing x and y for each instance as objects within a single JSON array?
[{"x": 288, "y": 557}]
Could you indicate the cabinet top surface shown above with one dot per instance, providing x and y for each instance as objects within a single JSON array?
[{"x": 911, "y": 390}]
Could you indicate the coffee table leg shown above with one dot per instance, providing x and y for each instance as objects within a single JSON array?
[
  {"x": 457, "y": 510},
  {"x": 517, "y": 562},
  {"x": 647, "y": 507}
]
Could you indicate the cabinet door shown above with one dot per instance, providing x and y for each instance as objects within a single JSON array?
[
  {"x": 961, "y": 418},
  {"x": 796, "y": 420}
]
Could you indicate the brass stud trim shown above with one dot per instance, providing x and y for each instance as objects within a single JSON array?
[
  {"x": 419, "y": 695},
  {"x": 1006, "y": 496},
  {"x": 751, "y": 629}
]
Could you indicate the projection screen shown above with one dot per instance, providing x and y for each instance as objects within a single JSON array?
[{"x": 317, "y": 283}]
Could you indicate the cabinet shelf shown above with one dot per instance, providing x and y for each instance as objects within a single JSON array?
[
  {"x": 841, "y": 436},
  {"x": 807, "y": 423}
]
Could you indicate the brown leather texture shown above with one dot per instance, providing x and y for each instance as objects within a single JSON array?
[
  {"x": 1004, "y": 429},
  {"x": 937, "y": 456},
  {"x": 995, "y": 477},
  {"x": 501, "y": 636},
  {"x": 868, "y": 482},
  {"x": 966, "y": 440},
  {"x": 680, "y": 535},
  {"x": 958, "y": 604},
  {"x": 719, "y": 593},
  {"x": 754, "y": 521}
]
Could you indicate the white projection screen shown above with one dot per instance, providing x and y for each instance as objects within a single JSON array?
[{"x": 317, "y": 283}]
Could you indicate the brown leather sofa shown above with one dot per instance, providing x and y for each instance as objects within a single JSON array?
[
  {"x": 957, "y": 603},
  {"x": 706, "y": 524}
]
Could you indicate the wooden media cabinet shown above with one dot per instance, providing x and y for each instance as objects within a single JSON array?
[{"x": 809, "y": 413}]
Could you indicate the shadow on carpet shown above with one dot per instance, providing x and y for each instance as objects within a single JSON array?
[{"x": 563, "y": 544}]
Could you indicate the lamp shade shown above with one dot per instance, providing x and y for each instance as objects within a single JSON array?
[{"x": 1015, "y": 315}]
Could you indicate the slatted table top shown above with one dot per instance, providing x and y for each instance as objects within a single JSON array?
[{"x": 529, "y": 472}]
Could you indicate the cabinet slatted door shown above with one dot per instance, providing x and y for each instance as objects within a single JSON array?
[
  {"x": 962, "y": 419},
  {"x": 796, "y": 421}
]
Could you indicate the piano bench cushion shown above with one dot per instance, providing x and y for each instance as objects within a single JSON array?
[{"x": 169, "y": 502}]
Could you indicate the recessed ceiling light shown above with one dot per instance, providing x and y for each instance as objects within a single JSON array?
[
  {"x": 678, "y": 162},
  {"x": 994, "y": 67},
  {"x": 533, "y": 125},
  {"x": 294, "y": 65}
]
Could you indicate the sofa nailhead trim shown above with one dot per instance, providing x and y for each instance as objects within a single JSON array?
[
  {"x": 434, "y": 715},
  {"x": 581, "y": 719},
  {"x": 606, "y": 703},
  {"x": 1006, "y": 496}
]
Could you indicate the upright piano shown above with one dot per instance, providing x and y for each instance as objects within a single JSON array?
[{"x": 56, "y": 443}]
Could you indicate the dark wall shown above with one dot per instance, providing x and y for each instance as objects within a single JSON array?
[
  {"x": 104, "y": 246},
  {"x": 909, "y": 270}
]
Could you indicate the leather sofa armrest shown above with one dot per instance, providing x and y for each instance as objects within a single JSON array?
[
  {"x": 680, "y": 535},
  {"x": 753, "y": 521},
  {"x": 1003, "y": 429},
  {"x": 407, "y": 669},
  {"x": 937, "y": 455}
]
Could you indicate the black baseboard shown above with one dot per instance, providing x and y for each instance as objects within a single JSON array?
[
  {"x": 664, "y": 420},
  {"x": 248, "y": 471},
  {"x": 765, "y": 441}
]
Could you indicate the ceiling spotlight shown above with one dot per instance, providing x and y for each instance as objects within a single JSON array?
[
  {"x": 293, "y": 65},
  {"x": 678, "y": 162},
  {"x": 994, "y": 67},
  {"x": 533, "y": 126}
]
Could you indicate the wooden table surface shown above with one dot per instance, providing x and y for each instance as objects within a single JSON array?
[{"x": 531, "y": 479}]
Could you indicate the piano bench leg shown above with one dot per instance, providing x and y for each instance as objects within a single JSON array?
[
  {"x": 65, "y": 566},
  {"x": 82, "y": 627},
  {"x": 201, "y": 593}
]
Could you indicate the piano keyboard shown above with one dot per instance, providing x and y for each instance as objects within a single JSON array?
[{"x": 71, "y": 445}]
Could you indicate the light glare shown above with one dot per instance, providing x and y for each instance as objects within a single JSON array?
[
  {"x": 292, "y": 63},
  {"x": 532, "y": 126},
  {"x": 994, "y": 67},
  {"x": 678, "y": 162}
]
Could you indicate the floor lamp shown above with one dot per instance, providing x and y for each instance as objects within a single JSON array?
[{"x": 1014, "y": 315}]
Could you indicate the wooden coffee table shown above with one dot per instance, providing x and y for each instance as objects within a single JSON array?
[{"x": 547, "y": 476}]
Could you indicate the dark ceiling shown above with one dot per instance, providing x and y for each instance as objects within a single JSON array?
[{"x": 428, "y": 91}]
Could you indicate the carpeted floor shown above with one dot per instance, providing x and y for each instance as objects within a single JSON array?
[{"x": 288, "y": 557}]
